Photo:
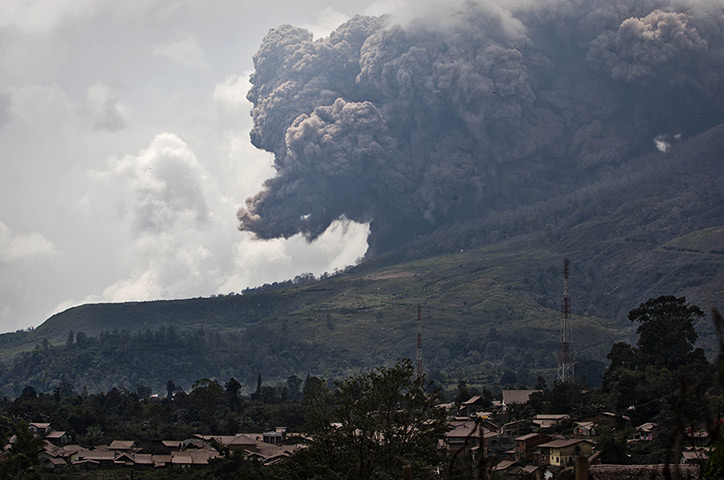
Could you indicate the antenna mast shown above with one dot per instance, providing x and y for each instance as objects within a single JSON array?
[
  {"x": 419, "y": 340},
  {"x": 565, "y": 349}
]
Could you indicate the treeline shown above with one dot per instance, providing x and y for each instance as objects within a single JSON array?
[
  {"x": 145, "y": 360},
  {"x": 209, "y": 407},
  {"x": 301, "y": 279},
  {"x": 142, "y": 360}
]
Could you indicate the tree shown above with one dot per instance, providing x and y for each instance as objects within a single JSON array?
[
  {"x": 463, "y": 394},
  {"x": 666, "y": 330},
  {"x": 257, "y": 394},
  {"x": 621, "y": 356},
  {"x": 22, "y": 461},
  {"x": 386, "y": 419},
  {"x": 294, "y": 385},
  {"x": 170, "y": 389},
  {"x": 231, "y": 388}
]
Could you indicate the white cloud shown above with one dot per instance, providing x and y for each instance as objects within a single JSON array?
[
  {"x": 160, "y": 195},
  {"x": 186, "y": 51},
  {"x": 34, "y": 104},
  {"x": 160, "y": 187},
  {"x": 267, "y": 261},
  {"x": 40, "y": 17},
  {"x": 230, "y": 104},
  {"x": 241, "y": 168},
  {"x": 23, "y": 246},
  {"x": 104, "y": 109},
  {"x": 4, "y": 107}
]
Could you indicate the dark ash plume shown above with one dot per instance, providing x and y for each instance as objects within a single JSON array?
[{"x": 419, "y": 126}]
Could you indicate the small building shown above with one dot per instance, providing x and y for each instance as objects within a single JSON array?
[
  {"x": 546, "y": 421},
  {"x": 122, "y": 445},
  {"x": 564, "y": 452},
  {"x": 532, "y": 471},
  {"x": 473, "y": 405},
  {"x": 647, "y": 432},
  {"x": 695, "y": 455},
  {"x": 609, "y": 419},
  {"x": 38, "y": 428},
  {"x": 584, "y": 429},
  {"x": 526, "y": 445},
  {"x": 276, "y": 437},
  {"x": 517, "y": 428},
  {"x": 508, "y": 467},
  {"x": 173, "y": 445},
  {"x": 57, "y": 438},
  {"x": 239, "y": 441},
  {"x": 53, "y": 463},
  {"x": 462, "y": 436},
  {"x": 497, "y": 444}
]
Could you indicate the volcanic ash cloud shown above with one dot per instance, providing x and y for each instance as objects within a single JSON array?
[{"x": 444, "y": 120}]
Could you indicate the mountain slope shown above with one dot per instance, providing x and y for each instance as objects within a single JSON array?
[{"x": 490, "y": 294}]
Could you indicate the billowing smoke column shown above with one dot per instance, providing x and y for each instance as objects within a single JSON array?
[{"x": 436, "y": 122}]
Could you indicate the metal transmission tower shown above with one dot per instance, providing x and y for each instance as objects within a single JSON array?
[
  {"x": 565, "y": 348},
  {"x": 419, "y": 340}
]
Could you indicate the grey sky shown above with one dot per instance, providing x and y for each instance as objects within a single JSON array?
[{"x": 125, "y": 152}]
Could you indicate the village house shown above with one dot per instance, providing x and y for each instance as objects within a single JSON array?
[
  {"x": 499, "y": 445},
  {"x": 240, "y": 441},
  {"x": 584, "y": 429},
  {"x": 461, "y": 435},
  {"x": 473, "y": 405},
  {"x": 564, "y": 452},
  {"x": 695, "y": 455},
  {"x": 275, "y": 437},
  {"x": 609, "y": 419},
  {"x": 547, "y": 421},
  {"x": 647, "y": 432},
  {"x": 536, "y": 472},
  {"x": 41, "y": 429},
  {"x": 123, "y": 446},
  {"x": 508, "y": 467},
  {"x": 483, "y": 419},
  {"x": 526, "y": 446},
  {"x": 58, "y": 437},
  {"x": 517, "y": 428}
]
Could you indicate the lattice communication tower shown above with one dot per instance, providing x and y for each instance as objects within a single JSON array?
[
  {"x": 419, "y": 340},
  {"x": 565, "y": 347}
]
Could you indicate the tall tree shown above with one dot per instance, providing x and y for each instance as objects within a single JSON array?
[
  {"x": 667, "y": 332},
  {"x": 22, "y": 458},
  {"x": 385, "y": 419}
]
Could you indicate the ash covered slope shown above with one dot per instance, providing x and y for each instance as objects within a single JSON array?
[{"x": 479, "y": 110}]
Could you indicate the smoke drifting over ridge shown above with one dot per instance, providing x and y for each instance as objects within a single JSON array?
[{"x": 436, "y": 122}]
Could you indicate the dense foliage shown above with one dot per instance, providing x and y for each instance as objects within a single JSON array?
[
  {"x": 141, "y": 360},
  {"x": 370, "y": 426}
]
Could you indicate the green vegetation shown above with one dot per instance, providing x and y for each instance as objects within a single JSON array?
[
  {"x": 371, "y": 426},
  {"x": 378, "y": 423}
]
